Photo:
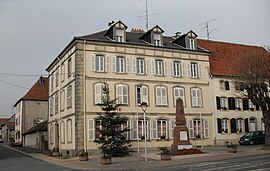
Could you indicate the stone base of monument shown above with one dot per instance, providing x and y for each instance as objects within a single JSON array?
[{"x": 181, "y": 147}]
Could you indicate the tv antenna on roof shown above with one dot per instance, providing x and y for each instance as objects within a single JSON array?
[
  {"x": 147, "y": 15},
  {"x": 208, "y": 31}
]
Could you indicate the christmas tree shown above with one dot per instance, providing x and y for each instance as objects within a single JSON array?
[{"x": 113, "y": 132}]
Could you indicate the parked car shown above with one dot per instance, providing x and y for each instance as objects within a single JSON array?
[{"x": 254, "y": 137}]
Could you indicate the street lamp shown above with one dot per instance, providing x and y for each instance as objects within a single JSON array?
[{"x": 144, "y": 107}]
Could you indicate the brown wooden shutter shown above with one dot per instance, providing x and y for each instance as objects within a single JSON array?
[
  {"x": 233, "y": 125},
  {"x": 218, "y": 103},
  {"x": 231, "y": 103},
  {"x": 245, "y": 104},
  {"x": 227, "y": 85},
  {"x": 246, "y": 125},
  {"x": 219, "y": 125}
]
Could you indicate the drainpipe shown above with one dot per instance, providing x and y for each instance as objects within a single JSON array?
[
  {"x": 214, "y": 113},
  {"x": 84, "y": 96}
]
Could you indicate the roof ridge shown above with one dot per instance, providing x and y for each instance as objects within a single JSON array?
[{"x": 232, "y": 43}]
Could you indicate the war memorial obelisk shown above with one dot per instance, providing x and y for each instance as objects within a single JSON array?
[{"x": 181, "y": 135}]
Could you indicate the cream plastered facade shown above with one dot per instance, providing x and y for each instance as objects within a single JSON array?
[
  {"x": 252, "y": 117},
  {"x": 83, "y": 110}
]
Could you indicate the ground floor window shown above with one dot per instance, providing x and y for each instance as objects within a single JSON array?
[{"x": 198, "y": 127}]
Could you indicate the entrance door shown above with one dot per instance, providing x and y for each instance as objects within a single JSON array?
[{"x": 252, "y": 125}]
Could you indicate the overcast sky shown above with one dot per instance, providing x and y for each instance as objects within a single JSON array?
[{"x": 33, "y": 32}]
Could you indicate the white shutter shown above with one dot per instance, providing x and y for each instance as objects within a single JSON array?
[
  {"x": 107, "y": 63},
  {"x": 93, "y": 66},
  {"x": 134, "y": 66},
  {"x": 91, "y": 135},
  {"x": 171, "y": 128},
  {"x": 125, "y": 94},
  {"x": 165, "y": 68},
  {"x": 199, "y": 70},
  {"x": 158, "y": 95},
  {"x": 183, "y": 69},
  {"x": 190, "y": 127},
  {"x": 164, "y": 96},
  {"x": 145, "y": 94},
  {"x": 134, "y": 129},
  {"x": 98, "y": 93},
  {"x": 128, "y": 64},
  {"x": 113, "y": 63},
  {"x": 153, "y": 66},
  {"x": 147, "y": 66},
  {"x": 199, "y": 96},
  {"x": 206, "y": 128},
  {"x": 189, "y": 70},
  {"x": 154, "y": 129},
  {"x": 171, "y": 68}
]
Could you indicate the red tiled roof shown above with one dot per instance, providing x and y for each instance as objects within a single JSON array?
[
  {"x": 39, "y": 91},
  {"x": 11, "y": 126},
  {"x": 3, "y": 120},
  {"x": 224, "y": 54}
]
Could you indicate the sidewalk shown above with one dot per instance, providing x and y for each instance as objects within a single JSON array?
[{"x": 137, "y": 163}]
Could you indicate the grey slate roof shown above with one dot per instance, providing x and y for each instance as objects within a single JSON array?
[
  {"x": 42, "y": 126},
  {"x": 133, "y": 38}
]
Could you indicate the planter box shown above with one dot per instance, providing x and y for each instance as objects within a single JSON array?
[
  {"x": 165, "y": 157},
  {"x": 106, "y": 161}
]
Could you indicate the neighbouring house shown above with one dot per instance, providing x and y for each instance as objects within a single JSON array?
[
  {"x": 233, "y": 114},
  {"x": 2, "y": 122},
  {"x": 37, "y": 136},
  {"x": 138, "y": 67},
  {"x": 7, "y": 129},
  {"x": 31, "y": 109}
]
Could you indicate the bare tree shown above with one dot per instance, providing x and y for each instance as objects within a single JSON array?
[{"x": 253, "y": 71}]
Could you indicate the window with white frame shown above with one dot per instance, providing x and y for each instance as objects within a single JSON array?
[
  {"x": 176, "y": 69},
  {"x": 100, "y": 63},
  {"x": 223, "y": 103},
  {"x": 62, "y": 127},
  {"x": 250, "y": 105},
  {"x": 191, "y": 43},
  {"x": 162, "y": 128},
  {"x": 196, "y": 97},
  {"x": 141, "y": 94},
  {"x": 141, "y": 128},
  {"x": 120, "y": 64},
  {"x": 161, "y": 96},
  {"x": 51, "y": 134},
  {"x": 140, "y": 66},
  {"x": 97, "y": 128},
  {"x": 123, "y": 127},
  {"x": 159, "y": 67},
  {"x": 69, "y": 130},
  {"x": 198, "y": 127},
  {"x": 119, "y": 35},
  {"x": 171, "y": 128},
  {"x": 56, "y": 103},
  {"x": 193, "y": 70},
  {"x": 51, "y": 106},
  {"x": 239, "y": 125},
  {"x": 224, "y": 125},
  {"x": 179, "y": 92},
  {"x": 157, "y": 39},
  {"x": 122, "y": 94},
  {"x": 238, "y": 103},
  {"x": 69, "y": 96},
  {"x": 99, "y": 93}
]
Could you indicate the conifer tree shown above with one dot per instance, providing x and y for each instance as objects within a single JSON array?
[{"x": 112, "y": 134}]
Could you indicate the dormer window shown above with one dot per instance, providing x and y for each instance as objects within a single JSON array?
[
  {"x": 191, "y": 42},
  {"x": 157, "y": 39},
  {"x": 119, "y": 35}
]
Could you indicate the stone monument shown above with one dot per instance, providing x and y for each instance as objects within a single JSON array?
[{"x": 181, "y": 135}]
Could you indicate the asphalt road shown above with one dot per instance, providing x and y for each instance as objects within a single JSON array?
[
  {"x": 252, "y": 163},
  {"x": 12, "y": 160}
]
